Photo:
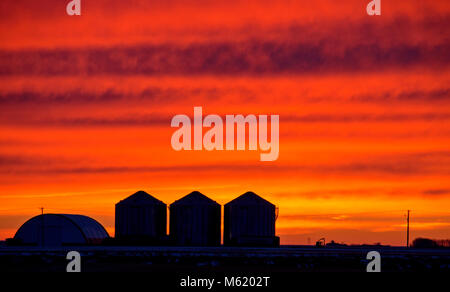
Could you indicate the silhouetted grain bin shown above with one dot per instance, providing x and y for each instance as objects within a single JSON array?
[
  {"x": 250, "y": 220},
  {"x": 141, "y": 217},
  {"x": 61, "y": 229},
  {"x": 195, "y": 221}
]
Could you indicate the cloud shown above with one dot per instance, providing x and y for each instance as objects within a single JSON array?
[
  {"x": 436, "y": 192},
  {"x": 366, "y": 118},
  {"x": 12, "y": 161},
  {"x": 152, "y": 94},
  {"x": 83, "y": 122},
  {"x": 397, "y": 165},
  {"x": 434, "y": 95},
  {"x": 15, "y": 100},
  {"x": 163, "y": 119},
  {"x": 317, "y": 49},
  {"x": 249, "y": 58}
]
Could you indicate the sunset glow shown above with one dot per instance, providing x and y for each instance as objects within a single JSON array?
[{"x": 364, "y": 105}]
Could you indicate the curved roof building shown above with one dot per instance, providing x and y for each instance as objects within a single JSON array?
[{"x": 61, "y": 229}]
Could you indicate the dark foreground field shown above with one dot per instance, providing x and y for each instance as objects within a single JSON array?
[{"x": 223, "y": 259}]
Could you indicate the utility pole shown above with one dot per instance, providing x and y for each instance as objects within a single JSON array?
[
  {"x": 42, "y": 227},
  {"x": 407, "y": 229}
]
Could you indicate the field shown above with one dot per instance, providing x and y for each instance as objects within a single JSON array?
[{"x": 224, "y": 259}]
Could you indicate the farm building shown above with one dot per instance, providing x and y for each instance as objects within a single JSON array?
[
  {"x": 61, "y": 229},
  {"x": 250, "y": 220},
  {"x": 195, "y": 221},
  {"x": 141, "y": 217}
]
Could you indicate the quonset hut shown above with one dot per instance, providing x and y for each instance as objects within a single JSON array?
[
  {"x": 61, "y": 229},
  {"x": 195, "y": 221},
  {"x": 141, "y": 217},
  {"x": 249, "y": 220}
]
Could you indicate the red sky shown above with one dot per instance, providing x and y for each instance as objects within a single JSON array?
[{"x": 364, "y": 105}]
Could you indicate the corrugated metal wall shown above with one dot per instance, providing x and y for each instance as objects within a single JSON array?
[
  {"x": 61, "y": 229},
  {"x": 147, "y": 220},
  {"x": 194, "y": 224},
  {"x": 248, "y": 219}
]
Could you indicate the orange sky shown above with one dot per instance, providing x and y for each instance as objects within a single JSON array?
[{"x": 364, "y": 105}]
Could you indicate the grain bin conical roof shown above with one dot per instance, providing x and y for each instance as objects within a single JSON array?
[
  {"x": 195, "y": 198},
  {"x": 140, "y": 198},
  {"x": 249, "y": 198}
]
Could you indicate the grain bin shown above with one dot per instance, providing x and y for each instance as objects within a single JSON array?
[
  {"x": 141, "y": 217},
  {"x": 195, "y": 221},
  {"x": 249, "y": 220}
]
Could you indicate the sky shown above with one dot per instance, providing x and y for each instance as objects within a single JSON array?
[{"x": 364, "y": 104}]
